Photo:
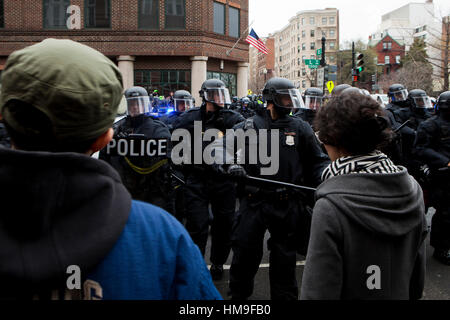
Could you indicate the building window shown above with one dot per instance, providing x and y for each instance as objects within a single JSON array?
[
  {"x": 332, "y": 45},
  {"x": 324, "y": 20},
  {"x": 313, "y": 56},
  {"x": 97, "y": 13},
  {"x": 219, "y": 18},
  {"x": 312, "y": 20},
  {"x": 303, "y": 21},
  {"x": 303, "y": 72},
  {"x": 303, "y": 58},
  {"x": 331, "y": 58},
  {"x": 165, "y": 81},
  {"x": 397, "y": 59},
  {"x": 312, "y": 33},
  {"x": 148, "y": 14},
  {"x": 175, "y": 14},
  {"x": 313, "y": 45},
  {"x": 331, "y": 19},
  {"x": 229, "y": 79},
  {"x": 2, "y": 17},
  {"x": 303, "y": 33},
  {"x": 55, "y": 15},
  {"x": 332, "y": 34},
  {"x": 234, "y": 22},
  {"x": 303, "y": 46},
  {"x": 304, "y": 84},
  {"x": 389, "y": 45},
  {"x": 387, "y": 60}
]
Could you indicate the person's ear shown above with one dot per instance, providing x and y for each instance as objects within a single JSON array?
[{"x": 102, "y": 141}]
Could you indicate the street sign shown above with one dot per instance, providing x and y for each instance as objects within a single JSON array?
[
  {"x": 330, "y": 86},
  {"x": 320, "y": 76},
  {"x": 312, "y": 62},
  {"x": 319, "y": 52},
  {"x": 313, "y": 67}
]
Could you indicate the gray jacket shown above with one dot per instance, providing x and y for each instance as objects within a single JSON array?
[{"x": 367, "y": 239}]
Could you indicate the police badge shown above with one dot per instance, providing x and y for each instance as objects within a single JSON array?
[{"x": 290, "y": 140}]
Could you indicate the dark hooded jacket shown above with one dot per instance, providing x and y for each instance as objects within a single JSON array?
[
  {"x": 362, "y": 222},
  {"x": 67, "y": 209}
]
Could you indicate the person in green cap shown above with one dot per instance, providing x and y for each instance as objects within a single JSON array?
[{"x": 69, "y": 228}]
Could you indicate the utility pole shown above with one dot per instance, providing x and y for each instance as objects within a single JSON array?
[{"x": 322, "y": 61}]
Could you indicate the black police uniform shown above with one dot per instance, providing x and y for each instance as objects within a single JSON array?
[
  {"x": 408, "y": 135},
  {"x": 432, "y": 146},
  {"x": 301, "y": 161},
  {"x": 204, "y": 187},
  {"x": 146, "y": 178}
]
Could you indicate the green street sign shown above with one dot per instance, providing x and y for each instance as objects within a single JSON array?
[
  {"x": 313, "y": 66},
  {"x": 319, "y": 52},
  {"x": 312, "y": 62}
]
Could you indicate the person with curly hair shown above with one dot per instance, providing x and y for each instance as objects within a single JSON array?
[{"x": 368, "y": 226}]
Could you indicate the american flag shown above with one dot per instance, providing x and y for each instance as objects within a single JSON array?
[{"x": 254, "y": 40}]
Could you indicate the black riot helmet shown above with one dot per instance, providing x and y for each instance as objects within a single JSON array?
[
  {"x": 339, "y": 88},
  {"x": 182, "y": 100},
  {"x": 419, "y": 99},
  {"x": 215, "y": 92},
  {"x": 443, "y": 101},
  {"x": 138, "y": 101},
  {"x": 283, "y": 94},
  {"x": 313, "y": 98},
  {"x": 398, "y": 94},
  {"x": 245, "y": 102},
  {"x": 235, "y": 99}
]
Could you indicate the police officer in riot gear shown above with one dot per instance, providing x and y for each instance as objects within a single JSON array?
[
  {"x": 246, "y": 109},
  {"x": 432, "y": 146},
  {"x": 203, "y": 185},
  {"x": 263, "y": 207},
  {"x": 398, "y": 96},
  {"x": 182, "y": 102},
  {"x": 415, "y": 110},
  {"x": 234, "y": 103},
  {"x": 313, "y": 99},
  {"x": 147, "y": 178}
]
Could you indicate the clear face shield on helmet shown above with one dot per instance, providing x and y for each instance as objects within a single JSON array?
[
  {"x": 313, "y": 102},
  {"x": 218, "y": 96},
  {"x": 422, "y": 102},
  {"x": 289, "y": 99},
  {"x": 400, "y": 95},
  {"x": 182, "y": 105},
  {"x": 138, "y": 105}
]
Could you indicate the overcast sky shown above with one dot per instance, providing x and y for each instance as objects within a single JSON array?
[{"x": 358, "y": 19}]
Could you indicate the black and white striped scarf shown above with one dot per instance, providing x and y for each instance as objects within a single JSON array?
[{"x": 375, "y": 162}]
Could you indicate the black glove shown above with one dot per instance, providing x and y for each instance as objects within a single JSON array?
[{"x": 236, "y": 170}]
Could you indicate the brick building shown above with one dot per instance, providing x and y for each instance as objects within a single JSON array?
[
  {"x": 389, "y": 52},
  {"x": 159, "y": 44}
]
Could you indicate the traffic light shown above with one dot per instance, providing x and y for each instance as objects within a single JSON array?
[
  {"x": 355, "y": 76},
  {"x": 359, "y": 63},
  {"x": 325, "y": 74}
]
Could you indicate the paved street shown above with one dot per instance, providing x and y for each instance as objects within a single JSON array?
[{"x": 437, "y": 282}]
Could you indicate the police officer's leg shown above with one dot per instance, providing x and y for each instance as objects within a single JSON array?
[
  {"x": 440, "y": 224},
  {"x": 247, "y": 243},
  {"x": 223, "y": 206},
  {"x": 197, "y": 214},
  {"x": 283, "y": 249}
]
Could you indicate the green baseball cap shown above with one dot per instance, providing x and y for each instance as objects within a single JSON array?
[{"x": 75, "y": 86}]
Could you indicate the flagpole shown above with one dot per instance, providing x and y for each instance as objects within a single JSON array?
[{"x": 229, "y": 51}]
